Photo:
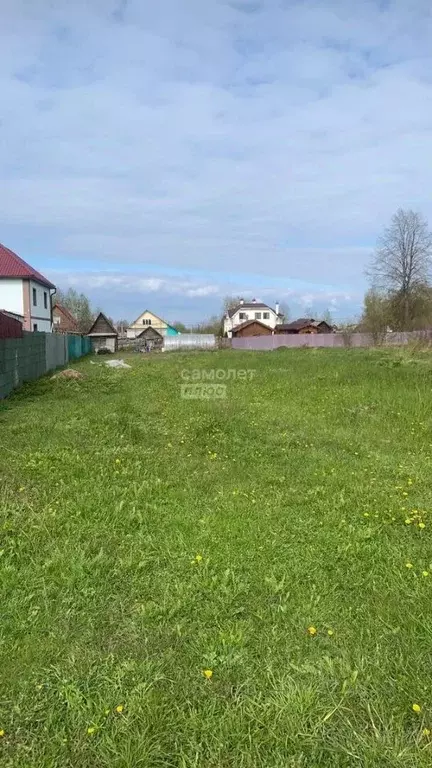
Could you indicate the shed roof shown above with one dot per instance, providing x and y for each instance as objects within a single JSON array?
[
  {"x": 102, "y": 327},
  {"x": 251, "y": 322}
]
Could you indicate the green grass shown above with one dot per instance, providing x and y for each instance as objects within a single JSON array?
[{"x": 294, "y": 490}]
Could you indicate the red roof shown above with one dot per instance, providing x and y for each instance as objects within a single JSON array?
[{"x": 12, "y": 265}]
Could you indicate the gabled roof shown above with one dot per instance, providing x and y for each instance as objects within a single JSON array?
[
  {"x": 149, "y": 329},
  {"x": 251, "y": 322},
  {"x": 12, "y": 265},
  {"x": 248, "y": 305},
  {"x": 102, "y": 327},
  {"x": 66, "y": 312},
  {"x": 151, "y": 313}
]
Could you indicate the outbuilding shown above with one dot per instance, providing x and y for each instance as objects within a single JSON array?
[{"x": 103, "y": 335}]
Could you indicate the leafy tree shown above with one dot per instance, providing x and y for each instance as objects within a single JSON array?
[
  {"x": 79, "y": 305},
  {"x": 284, "y": 310},
  {"x": 179, "y": 326}
]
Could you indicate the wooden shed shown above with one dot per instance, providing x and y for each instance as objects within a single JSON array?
[
  {"x": 150, "y": 338},
  {"x": 103, "y": 335},
  {"x": 251, "y": 328}
]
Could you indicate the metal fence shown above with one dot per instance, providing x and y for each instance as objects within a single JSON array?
[
  {"x": 328, "y": 340},
  {"x": 33, "y": 355}
]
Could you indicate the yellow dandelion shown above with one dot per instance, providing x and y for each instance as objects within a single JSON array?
[
  {"x": 91, "y": 730},
  {"x": 409, "y": 565},
  {"x": 422, "y": 525},
  {"x": 117, "y": 461},
  {"x": 408, "y": 521},
  {"x": 425, "y": 573},
  {"x": 208, "y": 673},
  {"x": 119, "y": 709},
  {"x": 330, "y": 632},
  {"x": 198, "y": 558},
  {"x": 311, "y": 631},
  {"x": 404, "y": 493},
  {"x": 416, "y": 708},
  {"x": 21, "y": 489},
  {"x": 2, "y": 733},
  {"x": 426, "y": 732},
  {"x": 365, "y": 514}
]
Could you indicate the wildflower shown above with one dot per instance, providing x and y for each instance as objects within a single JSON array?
[
  {"x": 311, "y": 631},
  {"x": 416, "y": 708},
  {"x": 408, "y": 521},
  {"x": 106, "y": 712},
  {"x": 21, "y": 489},
  {"x": 91, "y": 730},
  {"x": 330, "y": 632},
  {"x": 117, "y": 461},
  {"x": 198, "y": 558},
  {"x": 2, "y": 733},
  {"x": 425, "y": 573},
  {"x": 404, "y": 493},
  {"x": 409, "y": 565},
  {"x": 422, "y": 525},
  {"x": 366, "y": 514},
  {"x": 119, "y": 709},
  {"x": 208, "y": 673},
  {"x": 426, "y": 732}
]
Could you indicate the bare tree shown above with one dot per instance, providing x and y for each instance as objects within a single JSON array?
[{"x": 402, "y": 260}]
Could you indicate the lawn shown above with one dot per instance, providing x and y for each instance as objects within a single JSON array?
[{"x": 237, "y": 582}]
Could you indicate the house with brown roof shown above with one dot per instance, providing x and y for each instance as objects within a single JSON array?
[
  {"x": 304, "y": 325},
  {"x": 251, "y": 310},
  {"x": 103, "y": 335},
  {"x": 251, "y": 328},
  {"x": 25, "y": 292},
  {"x": 63, "y": 320}
]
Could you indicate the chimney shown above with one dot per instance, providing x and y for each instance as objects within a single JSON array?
[
  {"x": 242, "y": 301},
  {"x": 277, "y": 307}
]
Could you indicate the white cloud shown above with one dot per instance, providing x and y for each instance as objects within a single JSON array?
[{"x": 255, "y": 137}]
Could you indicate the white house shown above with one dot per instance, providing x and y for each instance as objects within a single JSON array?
[
  {"x": 253, "y": 310},
  {"x": 25, "y": 292}
]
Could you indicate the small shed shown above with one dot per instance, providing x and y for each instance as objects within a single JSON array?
[
  {"x": 150, "y": 338},
  {"x": 103, "y": 335},
  {"x": 251, "y": 328}
]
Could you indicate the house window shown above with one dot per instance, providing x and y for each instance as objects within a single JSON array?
[
  {"x": 34, "y": 297},
  {"x": 266, "y": 315},
  {"x": 45, "y": 300},
  {"x": 146, "y": 322},
  {"x": 257, "y": 315},
  {"x": 56, "y": 320},
  {"x": 34, "y": 324},
  {"x": 242, "y": 316}
]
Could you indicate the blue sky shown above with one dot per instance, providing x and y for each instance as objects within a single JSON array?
[{"x": 166, "y": 154}]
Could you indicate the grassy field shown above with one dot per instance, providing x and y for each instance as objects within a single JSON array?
[{"x": 232, "y": 583}]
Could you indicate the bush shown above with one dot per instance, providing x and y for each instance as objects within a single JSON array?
[{"x": 103, "y": 351}]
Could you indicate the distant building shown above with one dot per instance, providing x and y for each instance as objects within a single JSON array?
[
  {"x": 251, "y": 328},
  {"x": 63, "y": 320},
  {"x": 103, "y": 335},
  {"x": 253, "y": 310},
  {"x": 149, "y": 318},
  {"x": 305, "y": 325},
  {"x": 25, "y": 292}
]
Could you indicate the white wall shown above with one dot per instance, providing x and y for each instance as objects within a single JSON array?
[
  {"x": 11, "y": 295},
  {"x": 40, "y": 315},
  {"x": 232, "y": 322}
]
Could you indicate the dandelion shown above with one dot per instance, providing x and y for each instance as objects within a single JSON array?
[
  {"x": 198, "y": 558},
  {"x": 21, "y": 489},
  {"x": 311, "y": 631},
  {"x": 91, "y": 730},
  {"x": 426, "y": 732},
  {"x": 2, "y": 733},
  {"x": 366, "y": 514},
  {"x": 330, "y": 632},
  {"x": 208, "y": 673},
  {"x": 416, "y": 708},
  {"x": 408, "y": 521},
  {"x": 404, "y": 493},
  {"x": 425, "y": 573},
  {"x": 117, "y": 461},
  {"x": 422, "y": 525},
  {"x": 408, "y": 565},
  {"x": 119, "y": 709},
  {"x": 106, "y": 712}
]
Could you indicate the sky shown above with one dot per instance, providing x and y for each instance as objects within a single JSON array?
[{"x": 166, "y": 154}]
